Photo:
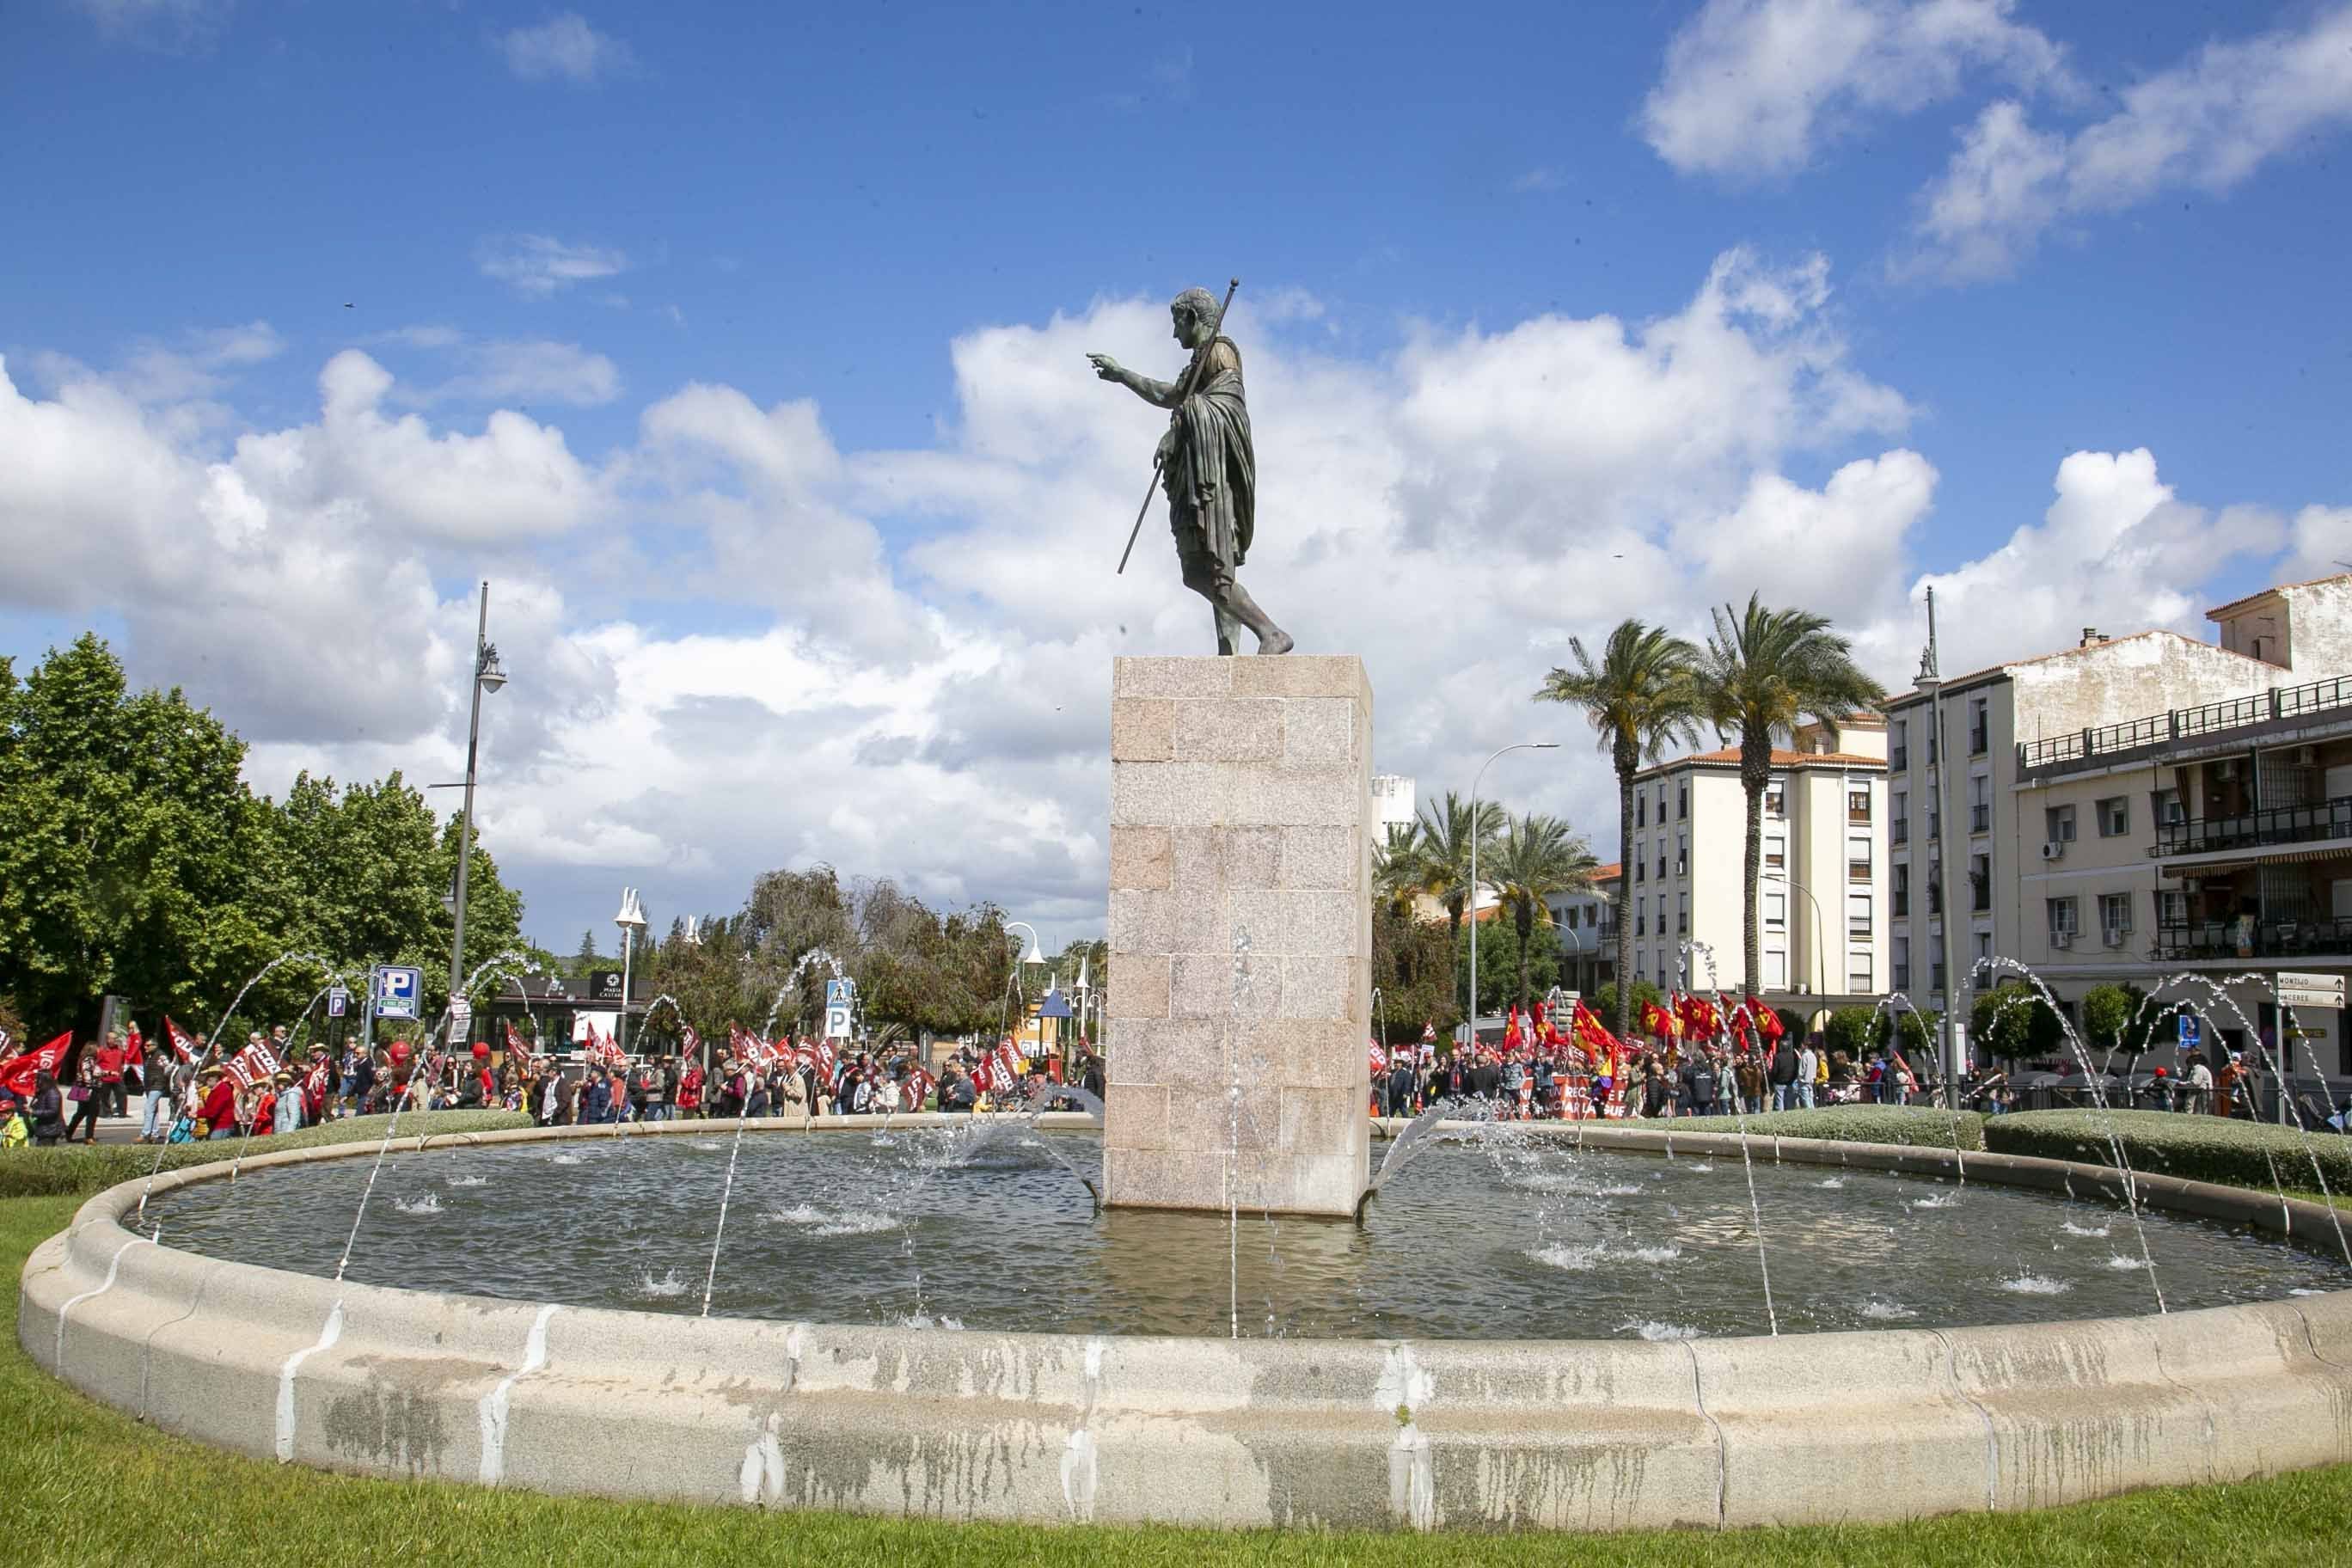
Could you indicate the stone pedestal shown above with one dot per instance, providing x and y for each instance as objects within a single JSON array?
[{"x": 1240, "y": 934}]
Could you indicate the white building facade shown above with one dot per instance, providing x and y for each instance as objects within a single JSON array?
[{"x": 1823, "y": 890}]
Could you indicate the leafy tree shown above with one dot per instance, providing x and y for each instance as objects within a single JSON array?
[
  {"x": 1639, "y": 697},
  {"x": 1503, "y": 960},
  {"x": 1614, "y": 1003},
  {"x": 1914, "y": 1033},
  {"x": 1764, "y": 671},
  {"x": 2011, "y": 1021},
  {"x": 2113, "y": 1021},
  {"x": 1536, "y": 857},
  {"x": 1411, "y": 965},
  {"x": 1850, "y": 1030},
  {"x": 1435, "y": 859}
]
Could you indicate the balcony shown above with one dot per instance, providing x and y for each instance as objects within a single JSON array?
[
  {"x": 2160, "y": 732},
  {"x": 1980, "y": 819},
  {"x": 2230, "y": 941},
  {"x": 1898, "y": 832},
  {"x": 2278, "y": 824}
]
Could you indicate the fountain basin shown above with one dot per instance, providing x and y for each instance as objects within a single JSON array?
[{"x": 1440, "y": 1433}]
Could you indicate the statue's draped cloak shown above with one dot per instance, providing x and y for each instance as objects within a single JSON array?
[{"x": 1212, "y": 480}]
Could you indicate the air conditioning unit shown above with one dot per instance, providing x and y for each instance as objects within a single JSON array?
[
  {"x": 2192, "y": 884},
  {"x": 2227, "y": 768},
  {"x": 2111, "y": 938},
  {"x": 2054, "y": 850},
  {"x": 2062, "y": 939}
]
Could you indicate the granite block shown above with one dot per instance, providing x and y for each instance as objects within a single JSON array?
[
  {"x": 1142, "y": 922},
  {"x": 1318, "y": 729},
  {"x": 1142, "y": 730},
  {"x": 1167, "y": 1051},
  {"x": 1315, "y": 857},
  {"x": 1296, "y": 674},
  {"x": 1133, "y": 677},
  {"x": 1319, "y": 987},
  {"x": 1316, "y": 797},
  {"x": 1204, "y": 985},
  {"x": 1141, "y": 858},
  {"x": 1320, "y": 1120},
  {"x": 1170, "y": 794},
  {"x": 1138, "y": 986},
  {"x": 1298, "y": 922},
  {"x": 1135, "y": 1115},
  {"x": 1228, "y": 732}
]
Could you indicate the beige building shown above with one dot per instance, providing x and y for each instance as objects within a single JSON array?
[
  {"x": 2136, "y": 808},
  {"x": 1586, "y": 923},
  {"x": 1823, "y": 888}
]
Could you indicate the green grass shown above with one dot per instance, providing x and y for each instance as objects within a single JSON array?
[
  {"x": 2167, "y": 1143},
  {"x": 1921, "y": 1126},
  {"x": 87, "y": 1168},
  {"x": 86, "y": 1486}
]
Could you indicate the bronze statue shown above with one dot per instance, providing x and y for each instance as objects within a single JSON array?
[{"x": 1208, "y": 467}]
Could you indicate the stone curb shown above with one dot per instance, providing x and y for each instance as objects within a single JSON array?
[{"x": 1598, "y": 1435}]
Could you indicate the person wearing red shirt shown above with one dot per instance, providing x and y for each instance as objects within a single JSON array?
[
  {"x": 111, "y": 1056},
  {"x": 689, "y": 1091},
  {"x": 219, "y": 1107}
]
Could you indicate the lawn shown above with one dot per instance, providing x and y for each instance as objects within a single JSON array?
[{"x": 85, "y": 1485}]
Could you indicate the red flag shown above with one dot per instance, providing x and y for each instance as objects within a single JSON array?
[
  {"x": 690, "y": 1043},
  {"x": 1767, "y": 1022},
  {"x": 314, "y": 1089},
  {"x": 1380, "y": 1058},
  {"x": 17, "y": 1073},
  {"x": 185, "y": 1045},
  {"x": 257, "y": 1064},
  {"x": 983, "y": 1079}
]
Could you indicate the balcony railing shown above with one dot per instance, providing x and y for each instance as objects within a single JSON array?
[
  {"x": 2254, "y": 829},
  {"x": 1898, "y": 832},
  {"x": 2254, "y": 939},
  {"x": 1900, "y": 760},
  {"x": 1980, "y": 819},
  {"x": 2084, "y": 747}
]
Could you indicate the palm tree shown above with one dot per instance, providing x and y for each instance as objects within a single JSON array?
[
  {"x": 1441, "y": 855},
  {"x": 1537, "y": 857},
  {"x": 1639, "y": 696},
  {"x": 1396, "y": 866},
  {"x": 1765, "y": 670}
]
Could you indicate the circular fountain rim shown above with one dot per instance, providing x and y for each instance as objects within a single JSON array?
[{"x": 1609, "y": 1433}]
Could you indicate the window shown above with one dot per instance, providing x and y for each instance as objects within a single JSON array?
[
  {"x": 1857, "y": 914},
  {"x": 1776, "y": 910},
  {"x": 2114, "y": 816},
  {"x": 1980, "y": 802},
  {"x": 1935, "y": 892},
  {"x": 2166, "y": 806},
  {"x": 1979, "y": 725},
  {"x": 1898, "y": 819},
  {"x": 1682, "y": 914},
  {"x": 2061, "y": 917},
  {"x": 1980, "y": 883},
  {"x": 1899, "y": 743},
  {"x": 1640, "y": 866},
  {"x": 1641, "y": 811},
  {"x": 1641, "y": 917},
  {"x": 1857, "y": 806},
  {"x": 1662, "y": 865},
  {"x": 1902, "y": 962},
  {"x": 1984, "y": 945},
  {"x": 1935, "y": 972},
  {"x": 2058, "y": 824},
  {"x": 1682, "y": 799},
  {"x": 1776, "y": 968},
  {"x": 1775, "y": 800},
  {"x": 1857, "y": 974},
  {"x": 1682, "y": 852},
  {"x": 1776, "y": 853},
  {"x": 1902, "y": 892},
  {"x": 2115, "y": 917},
  {"x": 1857, "y": 858},
  {"x": 2171, "y": 907}
]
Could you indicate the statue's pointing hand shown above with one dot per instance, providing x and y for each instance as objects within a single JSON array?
[{"x": 1104, "y": 366}]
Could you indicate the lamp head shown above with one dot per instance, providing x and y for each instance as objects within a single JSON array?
[{"x": 492, "y": 674}]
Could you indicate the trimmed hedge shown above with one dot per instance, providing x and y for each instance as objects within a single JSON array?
[
  {"x": 87, "y": 1168},
  {"x": 2171, "y": 1143},
  {"x": 1920, "y": 1126}
]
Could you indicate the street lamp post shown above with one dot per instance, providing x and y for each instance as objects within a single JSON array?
[
  {"x": 1473, "y": 901},
  {"x": 631, "y": 920},
  {"x": 487, "y": 677},
  {"x": 1035, "y": 954},
  {"x": 1821, "y": 936}
]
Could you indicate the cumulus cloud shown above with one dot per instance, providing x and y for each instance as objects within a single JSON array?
[
  {"x": 564, "y": 48},
  {"x": 1756, "y": 87},
  {"x": 2207, "y": 124},
  {"x": 536, "y": 266},
  {"x": 897, "y": 660},
  {"x": 534, "y": 371}
]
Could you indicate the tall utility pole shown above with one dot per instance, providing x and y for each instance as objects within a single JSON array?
[
  {"x": 486, "y": 677},
  {"x": 1931, "y": 682}
]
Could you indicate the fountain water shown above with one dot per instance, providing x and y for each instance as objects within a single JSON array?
[
  {"x": 1739, "y": 1115},
  {"x": 1887, "y": 1007}
]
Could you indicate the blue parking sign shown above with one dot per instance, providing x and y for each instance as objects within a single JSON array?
[{"x": 397, "y": 990}]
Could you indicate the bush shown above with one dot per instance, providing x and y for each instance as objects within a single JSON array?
[
  {"x": 2169, "y": 1143},
  {"x": 1918, "y": 1126},
  {"x": 91, "y": 1168}
]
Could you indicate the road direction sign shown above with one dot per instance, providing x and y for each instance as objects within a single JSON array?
[
  {"x": 338, "y": 1002},
  {"x": 397, "y": 990},
  {"x": 2297, "y": 991}
]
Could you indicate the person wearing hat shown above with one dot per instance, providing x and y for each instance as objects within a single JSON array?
[
  {"x": 216, "y": 1104},
  {"x": 13, "y": 1132}
]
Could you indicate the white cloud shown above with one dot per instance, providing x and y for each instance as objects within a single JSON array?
[
  {"x": 167, "y": 25},
  {"x": 536, "y": 265},
  {"x": 1757, "y": 87},
  {"x": 897, "y": 660},
  {"x": 2206, "y": 124},
  {"x": 534, "y": 371},
  {"x": 564, "y": 45}
]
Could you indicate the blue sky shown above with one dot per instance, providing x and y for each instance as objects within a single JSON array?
[{"x": 739, "y": 344}]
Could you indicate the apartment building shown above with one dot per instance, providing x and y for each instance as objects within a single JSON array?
[
  {"x": 1823, "y": 887},
  {"x": 2136, "y": 808},
  {"x": 1586, "y": 920}
]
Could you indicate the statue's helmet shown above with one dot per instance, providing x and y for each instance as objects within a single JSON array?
[{"x": 1200, "y": 304}]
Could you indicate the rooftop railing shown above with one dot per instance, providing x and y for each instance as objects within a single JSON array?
[{"x": 2084, "y": 747}]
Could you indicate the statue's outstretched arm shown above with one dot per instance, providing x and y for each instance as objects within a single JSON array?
[{"x": 1159, "y": 394}]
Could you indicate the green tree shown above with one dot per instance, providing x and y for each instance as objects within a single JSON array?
[
  {"x": 1611, "y": 1003},
  {"x": 1535, "y": 858},
  {"x": 1764, "y": 671},
  {"x": 1412, "y": 966},
  {"x": 2112, "y": 1020},
  {"x": 1639, "y": 697},
  {"x": 1850, "y": 1030},
  {"x": 1914, "y": 1034},
  {"x": 132, "y": 858},
  {"x": 2011, "y": 1021},
  {"x": 1436, "y": 857},
  {"x": 1505, "y": 963},
  {"x": 586, "y": 960}
]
